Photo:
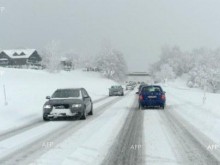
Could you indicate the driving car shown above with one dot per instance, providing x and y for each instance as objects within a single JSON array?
[
  {"x": 68, "y": 102},
  {"x": 129, "y": 87},
  {"x": 116, "y": 90},
  {"x": 151, "y": 96}
]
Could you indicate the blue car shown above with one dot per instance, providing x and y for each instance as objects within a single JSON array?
[{"x": 151, "y": 96}]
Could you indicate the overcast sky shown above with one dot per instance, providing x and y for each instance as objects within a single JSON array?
[{"x": 138, "y": 28}]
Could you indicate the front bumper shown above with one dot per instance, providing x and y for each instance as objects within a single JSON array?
[
  {"x": 152, "y": 103},
  {"x": 56, "y": 113},
  {"x": 116, "y": 93}
]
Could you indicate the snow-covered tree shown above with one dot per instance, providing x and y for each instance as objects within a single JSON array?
[
  {"x": 201, "y": 66},
  {"x": 112, "y": 63},
  {"x": 52, "y": 57},
  {"x": 165, "y": 73}
]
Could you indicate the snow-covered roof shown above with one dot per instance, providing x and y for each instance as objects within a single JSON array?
[{"x": 19, "y": 53}]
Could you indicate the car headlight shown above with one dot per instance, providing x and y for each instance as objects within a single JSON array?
[
  {"x": 47, "y": 106},
  {"x": 77, "y": 105}
]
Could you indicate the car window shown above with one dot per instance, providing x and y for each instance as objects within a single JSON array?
[
  {"x": 151, "y": 89},
  {"x": 65, "y": 93},
  {"x": 84, "y": 93},
  {"x": 116, "y": 87}
]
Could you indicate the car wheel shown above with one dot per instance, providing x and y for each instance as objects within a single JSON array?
[
  {"x": 45, "y": 118},
  {"x": 91, "y": 111}
]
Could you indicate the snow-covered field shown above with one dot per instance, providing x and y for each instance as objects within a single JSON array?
[
  {"x": 26, "y": 91},
  {"x": 180, "y": 134}
]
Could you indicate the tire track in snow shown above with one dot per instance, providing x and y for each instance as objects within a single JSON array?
[
  {"x": 186, "y": 145},
  {"x": 128, "y": 147},
  {"x": 31, "y": 125}
]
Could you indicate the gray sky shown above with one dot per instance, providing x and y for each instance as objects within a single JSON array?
[{"x": 138, "y": 28}]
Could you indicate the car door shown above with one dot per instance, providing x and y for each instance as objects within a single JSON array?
[{"x": 86, "y": 100}]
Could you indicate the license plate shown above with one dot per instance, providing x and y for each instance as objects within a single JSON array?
[
  {"x": 152, "y": 97},
  {"x": 60, "y": 107}
]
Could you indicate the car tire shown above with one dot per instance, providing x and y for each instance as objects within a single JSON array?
[
  {"x": 91, "y": 111},
  {"x": 45, "y": 118}
]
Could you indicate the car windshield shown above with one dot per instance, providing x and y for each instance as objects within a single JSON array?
[
  {"x": 151, "y": 89},
  {"x": 116, "y": 87},
  {"x": 66, "y": 93}
]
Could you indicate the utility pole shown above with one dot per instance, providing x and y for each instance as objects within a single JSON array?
[
  {"x": 204, "y": 92},
  {"x": 6, "y": 103}
]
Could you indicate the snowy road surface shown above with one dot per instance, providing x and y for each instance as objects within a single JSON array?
[{"x": 117, "y": 134}]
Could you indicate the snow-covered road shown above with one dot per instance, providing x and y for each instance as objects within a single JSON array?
[
  {"x": 160, "y": 137},
  {"x": 187, "y": 132},
  {"x": 118, "y": 133},
  {"x": 169, "y": 141}
]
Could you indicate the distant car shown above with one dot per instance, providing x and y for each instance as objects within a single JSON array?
[
  {"x": 116, "y": 90},
  {"x": 129, "y": 87},
  {"x": 73, "y": 102},
  {"x": 151, "y": 96}
]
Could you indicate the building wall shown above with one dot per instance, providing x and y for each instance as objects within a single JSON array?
[
  {"x": 2, "y": 56},
  {"x": 19, "y": 61},
  {"x": 36, "y": 57}
]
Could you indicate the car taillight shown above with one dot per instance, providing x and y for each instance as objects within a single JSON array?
[
  {"x": 141, "y": 97},
  {"x": 163, "y": 97}
]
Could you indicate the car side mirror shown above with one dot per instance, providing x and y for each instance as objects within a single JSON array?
[
  {"x": 85, "y": 97},
  {"x": 137, "y": 93},
  {"x": 48, "y": 97}
]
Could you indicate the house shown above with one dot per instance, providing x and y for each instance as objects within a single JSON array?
[{"x": 19, "y": 57}]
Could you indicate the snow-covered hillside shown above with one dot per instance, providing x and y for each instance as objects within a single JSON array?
[{"x": 26, "y": 91}]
